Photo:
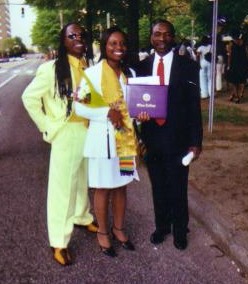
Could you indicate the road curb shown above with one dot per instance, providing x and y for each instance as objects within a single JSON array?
[
  {"x": 232, "y": 241},
  {"x": 8, "y": 65}
]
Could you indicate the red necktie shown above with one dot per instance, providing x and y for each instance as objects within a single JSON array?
[{"x": 160, "y": 73}]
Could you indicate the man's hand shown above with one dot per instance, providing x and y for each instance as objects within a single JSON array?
[
  {"x": 143, "y": 116},
  {"x": 196, "y": 151},
  {"x": 115, "y": 117}
]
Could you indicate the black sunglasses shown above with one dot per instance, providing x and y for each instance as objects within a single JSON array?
[{"x": 75, "y": 36}]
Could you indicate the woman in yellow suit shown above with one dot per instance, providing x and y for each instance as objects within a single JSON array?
[{"x": 48, "y": 101}]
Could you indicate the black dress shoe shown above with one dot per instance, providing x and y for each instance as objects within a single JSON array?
[
  {"x": 157, "y": 237},
  {"x": 108, "y": 251},
  {"x": 180, "y": 243},
  {"x": 128, "y": 245}
]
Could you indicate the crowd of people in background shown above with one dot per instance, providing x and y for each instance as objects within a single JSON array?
[{"x": 231, "y": 70}]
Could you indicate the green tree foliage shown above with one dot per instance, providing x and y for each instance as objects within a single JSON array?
[
  {"x": 57, "y": 4},
  {"x": 190, "y": 17},
  {"x": 46, "y": 29},
  {"x": 45, "y": 32},
  {"x": 234, "y": 11},
  {"x": 92, "y": 14},
  {"x": 202, "y": 10},
  {"x": 13, "y": 47},
  {"x": 144, "y": 32},
  {"x": 178, "y": 12},
  {"x": 125, "y": 13}
]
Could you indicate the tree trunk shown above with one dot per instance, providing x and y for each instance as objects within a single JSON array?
[
  {"x": 133, "y": 29},
  {"x": 88, "y": 23}
]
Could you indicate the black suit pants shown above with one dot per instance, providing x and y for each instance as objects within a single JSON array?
[{"x": 169, "y": 179}]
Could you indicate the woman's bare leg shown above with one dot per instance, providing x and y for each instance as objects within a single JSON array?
[
  {"x": 119, "y": 200},
  {"x": 101, "y": 203}
]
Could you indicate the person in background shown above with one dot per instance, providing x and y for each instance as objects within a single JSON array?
[
  {"x": 185, "y": 49},
  {"x": 191, "y": 50},
  {"x": 204, "y": 55},
  {"x": 237, "y": 67},
  {"x": 182, "y": 49},
  {"x": 111, "y": 148},
  {"x": 221, "y": 54},
  {"x": 48, "y": 101},
  {"x": 143, "y": 54},
  {"x": 169, "y": 140}
]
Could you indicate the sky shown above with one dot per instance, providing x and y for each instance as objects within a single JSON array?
[{"x": 21, "y": 25}]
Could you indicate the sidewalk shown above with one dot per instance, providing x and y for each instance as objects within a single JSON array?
[
  {"x": 7, "y": 65},
  {"x": 218, "y": 191}
]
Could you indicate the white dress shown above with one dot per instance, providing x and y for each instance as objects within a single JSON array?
[
  {"x": 205, "y": 71},
  {"x": 104, "y": 172}
]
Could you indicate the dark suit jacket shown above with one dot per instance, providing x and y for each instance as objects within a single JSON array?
[{"x": 183, "y": 126}]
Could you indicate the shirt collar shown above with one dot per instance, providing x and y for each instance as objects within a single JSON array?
[
  {"x": 167, "y": 56},
  {"x": 77, "y": 63}
]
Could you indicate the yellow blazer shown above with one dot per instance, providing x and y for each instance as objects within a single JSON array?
[{"x": 43, "y": 103}]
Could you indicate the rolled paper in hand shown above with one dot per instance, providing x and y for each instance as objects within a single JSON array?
[{"x": 188, "y": 159}]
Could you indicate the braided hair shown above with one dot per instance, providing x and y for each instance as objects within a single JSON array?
[{"x": 63, "y": 79}]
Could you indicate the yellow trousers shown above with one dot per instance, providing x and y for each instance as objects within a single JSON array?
[{"x": 68, "y": 199}]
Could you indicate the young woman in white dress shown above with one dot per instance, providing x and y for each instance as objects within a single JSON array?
[{"x": 111, "y": 148}]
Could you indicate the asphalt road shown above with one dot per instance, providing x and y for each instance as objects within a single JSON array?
[{"x": 25, "y": 256}]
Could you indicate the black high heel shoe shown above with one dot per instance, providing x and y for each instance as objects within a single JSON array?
[
  {"x": 109, "y": 251},
  {"x": 125, "y": 244}
]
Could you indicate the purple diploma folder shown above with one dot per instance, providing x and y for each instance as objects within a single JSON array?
[{"x": 149, "y": 98}]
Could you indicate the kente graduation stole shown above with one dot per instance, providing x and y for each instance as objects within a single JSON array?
[{"x": 125, "y": 137}]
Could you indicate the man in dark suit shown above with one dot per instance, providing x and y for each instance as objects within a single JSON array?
[{"x": 168, "y": 142}]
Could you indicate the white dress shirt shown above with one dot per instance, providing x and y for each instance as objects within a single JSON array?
[{"x": 167, "y": 60}]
